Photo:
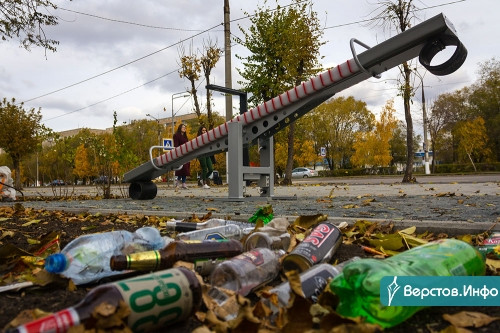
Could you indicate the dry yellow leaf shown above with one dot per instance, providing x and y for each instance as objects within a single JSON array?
[{"x": 469, "y": 319}]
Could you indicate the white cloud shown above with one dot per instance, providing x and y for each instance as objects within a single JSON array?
[{"x": 133, "y": 55}]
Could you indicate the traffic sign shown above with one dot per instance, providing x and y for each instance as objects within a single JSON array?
[
  {"x": 323, "y": 151},
  {"x": 168, "y": 144}
]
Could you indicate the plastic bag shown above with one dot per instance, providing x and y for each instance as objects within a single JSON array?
[{"x": 7, "y": 191}]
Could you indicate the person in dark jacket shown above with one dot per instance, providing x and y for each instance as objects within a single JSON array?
[
  {"x": 205, "y": 163},
  {"x": 180, "y": 138}
]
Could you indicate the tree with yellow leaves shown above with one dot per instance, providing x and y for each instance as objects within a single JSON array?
[
  {"x": 372, "y": 149},
  {"x": 82, "y": 169},
  {"x": 473, "y": 140}
]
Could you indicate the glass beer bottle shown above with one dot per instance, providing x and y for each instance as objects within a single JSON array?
[
  {"x": 155, "y": 300},
  {"x": 175, "y": 251}
]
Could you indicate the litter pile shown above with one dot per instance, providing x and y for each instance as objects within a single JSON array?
[{"x": 144, "y": 273}]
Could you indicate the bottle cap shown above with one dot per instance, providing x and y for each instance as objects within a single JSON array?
[{"x": 56, "y": 263}]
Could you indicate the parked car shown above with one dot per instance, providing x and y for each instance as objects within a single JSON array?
[
  {"x": 303, "y": 173},
  {"x": 57, "y": 182},
  {"x": 101, "y": 180}
]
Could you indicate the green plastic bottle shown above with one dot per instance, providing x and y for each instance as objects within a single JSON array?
[{"x": 358, "y": 286}]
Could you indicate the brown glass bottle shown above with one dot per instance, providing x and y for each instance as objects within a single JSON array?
[
  {"x": 155, "y": 300},
  {"x": 175, "y": 251}
]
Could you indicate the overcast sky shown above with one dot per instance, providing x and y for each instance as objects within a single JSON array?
[{"x": 103, "y": 64}]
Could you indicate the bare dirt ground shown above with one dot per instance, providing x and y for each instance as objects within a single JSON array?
[{"x": 25, "y": 229}]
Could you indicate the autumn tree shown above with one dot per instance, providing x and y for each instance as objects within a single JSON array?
[
  {"x": 192, "y": 67},
  {"x": 446, "y": 111},
  {"x": 473, "y": 140},
  {"x": 485, "y": 101},
  {"x": 372, "y": 149},
  {"x": 398, "y": 144},
  {"x": 334, "y": 124},
  {"x": 83, "y": 169},
  {"x": 26, "y": 20},
  {"x": 400, "y": 14},
  {"x": 284, "y": 51},
  {"x": 22, "y": 132}
]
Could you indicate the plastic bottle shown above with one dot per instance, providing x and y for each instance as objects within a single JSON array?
[
  {"x": 358, "y": 286},
  {"x": 264, "y": 214},
  {"x": 318, "y": 247},
  {"x": 86, "y": 258},
  {"x": 262, "y": 239},
  {"x": 313, "y": 281},
  {"x": 175, "y": 251},
  {"x": 190, "y": 226},
  {"x": 247, "y": 271},
  {"x": 148, "y": 313},
  {"x": 230, "y": 231}
]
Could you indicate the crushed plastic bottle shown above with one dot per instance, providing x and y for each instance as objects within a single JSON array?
[
  {"x": 358, "y": 286},
  {"x": 86, "y": 258}
]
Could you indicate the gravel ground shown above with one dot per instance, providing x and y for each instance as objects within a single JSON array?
[{"x": 457, "y": 205}]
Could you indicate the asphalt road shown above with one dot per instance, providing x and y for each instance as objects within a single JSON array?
[{"x": 455, "y": 204}]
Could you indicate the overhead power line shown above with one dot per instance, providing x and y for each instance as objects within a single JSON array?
[
  {"x": 125, "y": 22},
  {"x": 112, "y": 97},
  {"x": 121, "y": 66},
  {"x": 200, "y": 32}
]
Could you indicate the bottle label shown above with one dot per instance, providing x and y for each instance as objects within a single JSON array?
[
  {"x": 321, "y": 243},
  {"x": 58, "y": 322},
  {"x": 314, "y": 285},
  {"x": 205, "y": 267},
  {"x": 157, "y": 299},
  {"x": 254, "y": 257}
]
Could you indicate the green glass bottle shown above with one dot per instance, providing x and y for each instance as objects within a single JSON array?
[{"x": 358, "y": 286}]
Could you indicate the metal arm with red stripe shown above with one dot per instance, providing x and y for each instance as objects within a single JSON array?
[{"x": 424, "y": 40}]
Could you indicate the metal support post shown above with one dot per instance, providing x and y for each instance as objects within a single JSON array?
[{"x": 235, "y": 160}]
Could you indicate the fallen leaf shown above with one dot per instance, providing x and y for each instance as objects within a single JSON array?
[
  {"x": 30, "y": 223},
  {"x": 469, "y": 319}
]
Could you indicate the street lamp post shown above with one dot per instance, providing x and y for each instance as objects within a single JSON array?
[
  {"x": 174, "y": 96},
  {"x": 159, "y": 130},
  {"x": 425, "y": 145}
]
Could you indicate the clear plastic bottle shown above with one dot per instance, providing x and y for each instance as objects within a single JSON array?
[
  {"x": 358, "y": 286},
  {"x": 230, "y": 231},
  {"x": 86, "y": 258},
  {"x": 247, "y": 271},
  {"x": 191, "y": 226},
  {"x": 262, "y": 239},
  {"x": 180, "y": 293}
]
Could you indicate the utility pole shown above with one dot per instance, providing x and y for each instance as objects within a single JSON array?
[
  {"x": 227, "y": 70},
  {"x": 227, "y": 60}
]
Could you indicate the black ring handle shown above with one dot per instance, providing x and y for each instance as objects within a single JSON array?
[{"x": 435, "y": 46}]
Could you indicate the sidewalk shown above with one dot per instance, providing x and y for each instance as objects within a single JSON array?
[{"x": 453, "y": 208}]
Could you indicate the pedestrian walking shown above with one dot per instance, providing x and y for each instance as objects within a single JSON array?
[{"x": 180, "y": 138}]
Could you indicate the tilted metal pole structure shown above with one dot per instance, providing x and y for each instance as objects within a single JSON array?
[{"x": 259, "y": 124}]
